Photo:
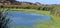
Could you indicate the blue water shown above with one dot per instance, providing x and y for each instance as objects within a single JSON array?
[{"x": 26, "y": 18}]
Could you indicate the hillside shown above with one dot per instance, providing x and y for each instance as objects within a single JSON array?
[
  {"x": 11, "y": 3},
  {"x": 54, "y": 8}
]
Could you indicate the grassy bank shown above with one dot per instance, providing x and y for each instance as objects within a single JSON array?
[
  {"x": 56, "y": 23},
  {"x": 32, "y": 10}
]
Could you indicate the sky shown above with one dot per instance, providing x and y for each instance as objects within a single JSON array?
[{"x": 43, "y": 1}]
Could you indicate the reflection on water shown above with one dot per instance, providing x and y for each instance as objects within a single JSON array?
[{"x": 26, "y": 18}]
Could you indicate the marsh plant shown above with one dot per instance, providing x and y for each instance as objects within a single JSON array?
[{"x": 3, "y": 19}]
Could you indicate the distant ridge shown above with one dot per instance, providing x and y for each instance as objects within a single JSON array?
[{"x": 14, "y": 2}]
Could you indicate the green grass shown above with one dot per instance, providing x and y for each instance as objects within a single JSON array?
[
  {"x": 56, "y": 23},
  {"x": 32, "y": 10}
]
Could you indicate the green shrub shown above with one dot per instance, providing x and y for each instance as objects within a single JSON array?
[{"x": 3, "y": 20}]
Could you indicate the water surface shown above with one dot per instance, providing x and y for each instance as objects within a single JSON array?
[{"x": 26, "y": 18}]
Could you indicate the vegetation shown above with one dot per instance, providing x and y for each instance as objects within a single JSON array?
[{"x": 3, "y": 19}]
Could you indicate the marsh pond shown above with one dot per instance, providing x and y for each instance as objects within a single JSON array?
[{"x": 20, "y": 18}]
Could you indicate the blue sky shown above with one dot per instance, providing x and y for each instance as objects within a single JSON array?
[{"x": 43, "y": 1}]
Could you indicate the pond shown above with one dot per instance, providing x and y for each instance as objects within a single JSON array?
[{"x": 20, "y": 18}]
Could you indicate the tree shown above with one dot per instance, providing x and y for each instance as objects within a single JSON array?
[
  {"x": 12, "y": 0},
  {"x": 28, "y": 7},
  {"x": 3, "y": 20},
  {"x": 39, "y": 8}
]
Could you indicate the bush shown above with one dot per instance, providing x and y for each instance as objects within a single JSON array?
[{"x": 3, "y": 20}]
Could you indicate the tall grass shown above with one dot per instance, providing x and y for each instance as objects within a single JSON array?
[{"x": 3, "y": 19}]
